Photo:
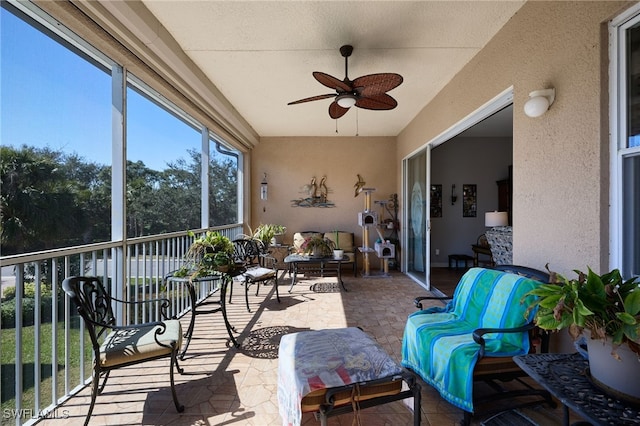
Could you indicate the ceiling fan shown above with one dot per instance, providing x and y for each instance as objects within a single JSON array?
[{"x": 368, "y": 91}]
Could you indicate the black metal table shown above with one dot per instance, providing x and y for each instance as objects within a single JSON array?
[
  {"x": 220, "y": 283},
  {"x": 566, "y": 377},
  {"x": 315, "y": 265}
]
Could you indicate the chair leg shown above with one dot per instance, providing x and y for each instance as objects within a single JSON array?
[
  {"x": 104, "y": 382},
  {"x": 275, "y": 283},
  {"x": 180, "y": 369},
  {"x": 174, "y": 361},
  {"x": 417, "y": 414},
  {"x": 230, "y": 291},
  {"x": 94, "y": 391},
  {"x": 246, "y": 295}
]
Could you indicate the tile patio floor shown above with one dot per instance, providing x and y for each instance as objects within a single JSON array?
[{"x": 223, "y": 385}]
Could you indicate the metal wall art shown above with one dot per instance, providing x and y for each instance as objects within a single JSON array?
[{"x": 316, "y": 192}]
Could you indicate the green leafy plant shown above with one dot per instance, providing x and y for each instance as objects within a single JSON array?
[
  {"x": 606, "y": 305},
  {"x": 266, "y": 232},
  {"x": 317, "y": 244},
  {"x": 210, "y": 253}
]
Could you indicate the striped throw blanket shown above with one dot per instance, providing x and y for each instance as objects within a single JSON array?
[{"x": 438, "y": 342}]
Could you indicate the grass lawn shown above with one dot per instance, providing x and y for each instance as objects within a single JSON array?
[{"x": 72, "y": 368}]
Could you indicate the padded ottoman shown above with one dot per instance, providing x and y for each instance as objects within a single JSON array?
[{"x": 330, "y": 371}]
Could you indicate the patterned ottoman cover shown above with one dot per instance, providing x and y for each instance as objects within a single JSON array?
[{"x": 310, "y": 361}]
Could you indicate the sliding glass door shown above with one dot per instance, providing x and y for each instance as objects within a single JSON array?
[{"x": 417, "y": 218}]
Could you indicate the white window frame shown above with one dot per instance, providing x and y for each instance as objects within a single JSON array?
[{"x": 618, "y": 132}]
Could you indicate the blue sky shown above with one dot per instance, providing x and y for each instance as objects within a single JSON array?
[{"x": 51, "y": 97}]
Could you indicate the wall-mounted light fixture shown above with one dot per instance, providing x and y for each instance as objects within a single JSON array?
[
  {"x": 263, "y": 188},
  {"x": 454, "y": 196},
  {"x": 539, "y": 102}
]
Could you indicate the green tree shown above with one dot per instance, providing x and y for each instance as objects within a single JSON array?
[
  {"x": 91, "y": 185},
  {"x": 223, "y": 191},
  {"x": 142, "y": 186},
  {"x": 181, "y": 189},
  {"x": 50, "y": 199},
  {"x": 39, "y": 209}
]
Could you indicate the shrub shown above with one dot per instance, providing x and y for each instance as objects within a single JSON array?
[
  {"x": 9, "y": 293},
  {"x": 8, "y": 311}
]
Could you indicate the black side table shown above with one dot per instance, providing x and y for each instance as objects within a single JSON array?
[
  {"x": 565, "y": 376},
  {"x": 457, "y": 258},
  {"x": 222, "y": 280}
]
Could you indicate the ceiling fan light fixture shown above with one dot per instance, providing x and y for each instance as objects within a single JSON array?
[
  {"x": 346, "y": 100},
  {"x": 367, "y": 91}
]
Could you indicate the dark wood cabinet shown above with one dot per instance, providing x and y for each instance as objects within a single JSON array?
[{"x": 505, "y": 195}]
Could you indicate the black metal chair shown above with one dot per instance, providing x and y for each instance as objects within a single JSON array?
[
  {"x": 117, "y": 346},
  {"x": 259, "y": 267}
]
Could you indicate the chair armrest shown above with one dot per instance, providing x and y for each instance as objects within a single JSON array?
[
  {"x": 268, "y": 261},
  {"x": 127, "y": 327},
  {"x": 525, "y": 271},
  {"x": 164, "y": 304},
  {"x": 418, "y": 300},
  {"x": 112, "y": 326},
  {"x": 479, "y": 332}
]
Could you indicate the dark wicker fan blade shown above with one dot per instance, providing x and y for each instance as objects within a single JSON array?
[
  {"x": 313, "y": 98},
  {"x": 382, "y": 101},
  {"x": 336, "y": 111},
  {"x": 331, "y": 82},
  {"x": 375, "y": 84}
]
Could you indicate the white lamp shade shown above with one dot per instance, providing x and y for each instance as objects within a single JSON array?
[
  {"x": 346, "y": 101},
  {"x": 492, "y": 219}
]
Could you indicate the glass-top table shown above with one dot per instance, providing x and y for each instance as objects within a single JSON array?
[
  {"x": 322, "y": 266},
  {"x": 566, "y": 377}
]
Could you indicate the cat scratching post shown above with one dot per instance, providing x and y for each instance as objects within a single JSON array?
[
  {"x": 385, "y": 250},
  {"x": 366, "y": 219}
]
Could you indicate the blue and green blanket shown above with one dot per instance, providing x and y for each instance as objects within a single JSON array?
[{"x": 438, "y": 342}]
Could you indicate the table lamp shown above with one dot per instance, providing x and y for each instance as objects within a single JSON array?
[{"x": 496, "y": 218}]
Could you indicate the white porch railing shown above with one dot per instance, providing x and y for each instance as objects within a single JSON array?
[{"x": 46, "y": 357}]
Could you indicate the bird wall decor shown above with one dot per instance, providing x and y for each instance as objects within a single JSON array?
[{"x": 359, "y": 185}]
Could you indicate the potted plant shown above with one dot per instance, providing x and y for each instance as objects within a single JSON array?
[
  {"x": 606, "y": 310},
  {"x": 317, "y": 246},
  {"x": 268, "y": 233},
  {"x": 208, "y": 254},
  {"x": 338, "y": 253}
]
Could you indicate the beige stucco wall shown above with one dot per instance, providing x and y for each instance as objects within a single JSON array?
[
  {"x": 560, "y": 160},
  {"x": 291, "y": 162}
]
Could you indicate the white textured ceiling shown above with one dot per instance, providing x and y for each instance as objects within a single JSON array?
[{"x": 260, "y": 54}]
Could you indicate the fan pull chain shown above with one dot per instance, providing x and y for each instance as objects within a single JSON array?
[
  {"x": 357, "y": 124},
  {"x": 336, "y": 125}
]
